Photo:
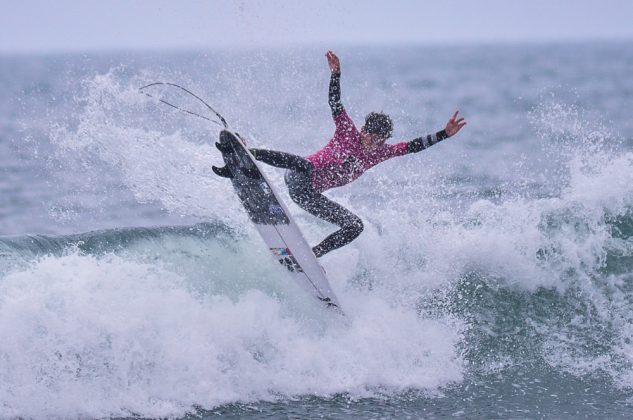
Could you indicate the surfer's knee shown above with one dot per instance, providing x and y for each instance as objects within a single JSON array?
[{"x": 355, "y": 226}]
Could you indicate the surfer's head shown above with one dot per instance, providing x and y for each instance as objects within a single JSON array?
[{"x": 377, "y": 129}]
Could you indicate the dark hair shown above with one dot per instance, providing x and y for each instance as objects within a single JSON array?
[{"x": 379, "y": 123}]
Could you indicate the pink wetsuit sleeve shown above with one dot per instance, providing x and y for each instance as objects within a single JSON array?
[
  {"x": 388, "y": 151},
  {"x": 394, "y": 150}
]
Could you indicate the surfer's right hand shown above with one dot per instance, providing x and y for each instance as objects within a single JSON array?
[
  {"x": 333, "y": 62},
  {"x": 454, "y": 124}
]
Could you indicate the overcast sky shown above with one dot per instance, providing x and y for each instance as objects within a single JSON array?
[{"x": 90, "y": 25}]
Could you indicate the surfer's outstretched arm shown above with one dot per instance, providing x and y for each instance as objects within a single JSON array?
[
  {"x": 420, "y": 143},
  {"x": 453, "y": 126},
  {"x": 334, "y": 97}
]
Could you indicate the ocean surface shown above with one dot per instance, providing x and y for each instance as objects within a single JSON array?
[{"x": 494, "y": 278}]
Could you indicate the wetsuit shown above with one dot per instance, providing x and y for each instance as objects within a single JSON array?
[{"x": 340, "y": 162}]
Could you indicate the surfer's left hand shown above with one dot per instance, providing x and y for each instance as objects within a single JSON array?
[
  {"x": 333, "y": 62},
  {"x": 454, "y": 124}
]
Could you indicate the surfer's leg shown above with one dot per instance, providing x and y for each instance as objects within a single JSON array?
[
  {"x": 282, "y": 160},
  {"x": 350, "y": 225},
  {"x": 301, "y": 191},
  {"x": 320, "y": 206}
]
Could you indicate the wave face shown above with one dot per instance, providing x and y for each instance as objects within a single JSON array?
[{"x": 493, "y": 278}]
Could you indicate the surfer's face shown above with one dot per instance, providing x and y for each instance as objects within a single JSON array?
[{"x": 371, "y": 141}]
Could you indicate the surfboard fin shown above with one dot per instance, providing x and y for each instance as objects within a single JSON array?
[
  {"x": 328, "y": 302},
  {"x": 224, "y": 147},
  {"x": 224, "y": 172}
]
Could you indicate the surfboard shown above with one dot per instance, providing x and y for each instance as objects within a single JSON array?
[{"x": 272, "y": 219}]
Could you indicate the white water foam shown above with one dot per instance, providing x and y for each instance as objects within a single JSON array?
[{"x": 96, "y": 337}]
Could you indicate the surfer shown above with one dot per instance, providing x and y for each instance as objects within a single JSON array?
[{"x": 346, "y": 156}]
